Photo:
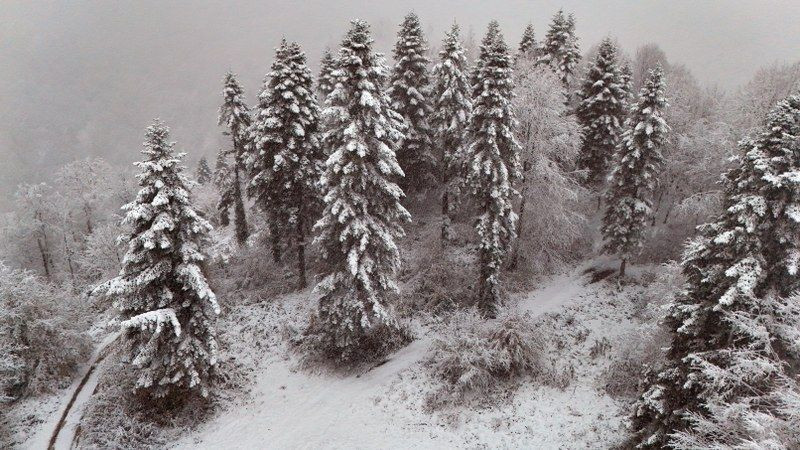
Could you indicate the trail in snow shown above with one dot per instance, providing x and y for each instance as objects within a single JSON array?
[
  {"x": 297, "y": 410},
  {"x": 59, "y": 432}
]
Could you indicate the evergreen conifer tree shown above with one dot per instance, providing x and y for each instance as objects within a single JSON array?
[
  {"x": 452, "y": 107},
  {"x": 635, "y": 172},
  {"x": 528, "y": 47},
  {"x": 601, "y": 113},
  {"x": 736, "y": 325},
  {"x": 204, "y": 174},
  {"x": 289, "y": 164},
  {"x": 326, "y": 80},
  {"x": 161, "y": 291},
  {"x": 560, "y": 47},
  {"x": 235, "y": 116},
  {"x": 409, "y": 91},
  {"x": 363, "y": 216},
  {"x": 493, "y": 164}
]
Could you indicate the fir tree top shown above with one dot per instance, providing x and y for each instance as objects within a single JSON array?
[
  {"x": 493, "y": 118},
  {"x": 235, "y": 115},
  {"x": 452, "y": 104},
  {"x": 325, "y": 80},
  {"x": 284, "y": 132},
  {"x": 637, "y": 163},
  {"x": 409, "y": 91},
  {"x": 410, "y": 75},
  {"x": 204, "y": 174},
  {"x": 560, "y": 47},
  {"x": 601, "y": 111},
  {"x": 527, "y": 46}
]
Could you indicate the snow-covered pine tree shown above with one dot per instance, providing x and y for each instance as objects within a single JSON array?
[
  {"x": 452, "y": 107},
  {"x": 223, "y": 178},
  {"x": 204, "y": 174},
  {"x": 409, "y": 90},
  {"x": 289, "y": 164},
  {"x": 601, "y": 113},
  {"x": 626, "y": 80},
  {"x": 528, "y": 47},
  {"x": 325, "y": 80},
  {"x": 493, "y": 163},
  {"x": 363, "y": 216},
  {"x": 727, "y": 379},
  {"x": 560, "y": 47},
  {"x": 235, "y": 116},
  {"x": 634, "y": 174},
  {"x": 161, "y": 291}
]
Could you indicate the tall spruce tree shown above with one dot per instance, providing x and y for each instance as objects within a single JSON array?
[
  {"x": 493, "y": 163},
  {"x": 410, "y": 93},
  {"x": 204, "y": 174},
  {"x": 452, "y": 108},
  {"x": 162, "y": 291},
  {"x": 635, "y": 172},
  {"x": 560, "y": 47},
  {"x": 736, "y": 325},
  {"x": 235, "y": 116},
  {"x": 289, "y": 163},
  {"x": 363, "y": 216},
  {"x": 601, "y": 113},
  {"x": 326, "y": 80},
  {"x": 528, "y": 47}
]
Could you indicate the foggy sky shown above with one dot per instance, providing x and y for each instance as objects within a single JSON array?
[{"x": 80, "y": 79}]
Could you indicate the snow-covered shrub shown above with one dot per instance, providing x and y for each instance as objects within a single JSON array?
[
  {"x": 42, "y": 335},
  {"x": 442, "y": 284},
  {"x": 319, "y": 348},
  {"x": 640, "y": 353},
  {"x": 473, "y": 356},
  {"x": 436, "y": 278}
]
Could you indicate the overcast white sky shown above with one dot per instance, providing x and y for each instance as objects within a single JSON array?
[{"x": 82, "y": 78}]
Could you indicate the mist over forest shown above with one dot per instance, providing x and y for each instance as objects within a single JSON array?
[{"x": 81, "y": 79}]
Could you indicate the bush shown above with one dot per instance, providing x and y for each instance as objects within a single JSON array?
[
  {"x": 472, "y": 356},
  {"x": 443, "y": 283},
  {"x": 43, "y": 336},
  {"x": 321, "y": 347}
]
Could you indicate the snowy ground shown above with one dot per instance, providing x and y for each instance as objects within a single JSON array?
[
  {"x": 382, "y": 408},
  {"x": 284, "y": 406}
]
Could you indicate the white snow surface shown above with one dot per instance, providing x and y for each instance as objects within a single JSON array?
[{"x": 292, "y": 408}]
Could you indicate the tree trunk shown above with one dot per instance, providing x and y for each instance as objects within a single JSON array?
[
  {"x": 275, "y": 240},
  {"x": 487, "y": 301},
  {"x": 87, "y": 211},
  {"x": 301, "y": 250},
  {"x": 240, "y": 219},
  {"x": 45, "y": 259},
  {"x": 622, "y": 267},
  {"x": 513, "y": 262},
  {"x": 445, "y": 215},
  {"x": 68, "y": 253}
]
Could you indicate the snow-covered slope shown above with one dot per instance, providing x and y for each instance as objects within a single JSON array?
[{"x": 383, "y": 407}]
